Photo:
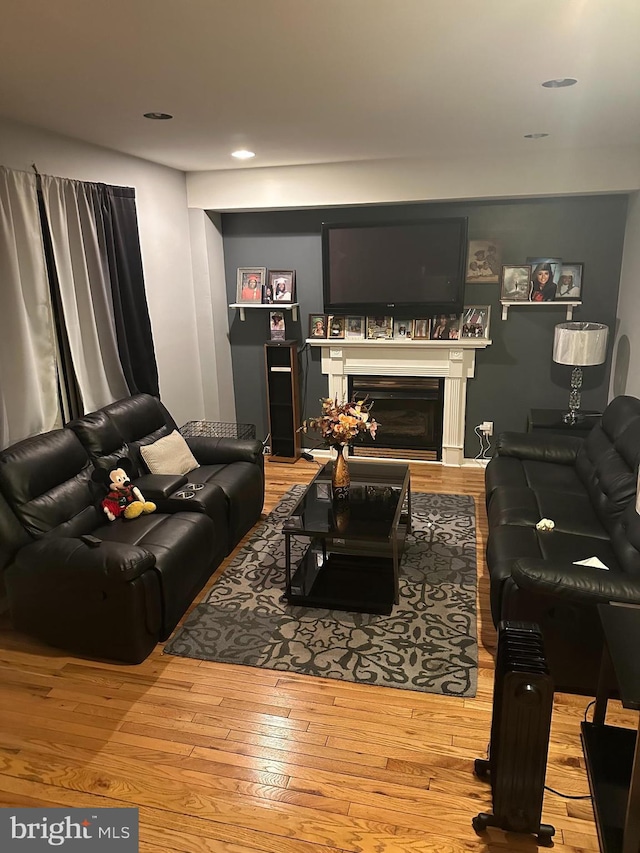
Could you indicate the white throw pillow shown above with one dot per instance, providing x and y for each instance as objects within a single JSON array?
[{"x": 169, "y": 455}]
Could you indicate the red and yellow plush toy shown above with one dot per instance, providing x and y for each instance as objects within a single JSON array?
[{"x": 122, "y": 498}]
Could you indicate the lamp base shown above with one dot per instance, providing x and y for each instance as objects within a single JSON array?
[{"x": 572, "y": 418}]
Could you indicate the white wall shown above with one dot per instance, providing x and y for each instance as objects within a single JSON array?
[
  {"x": 488, "y": 176},
  {"x": 164, "y": 238},
  {"x": 625, "y": 374}
]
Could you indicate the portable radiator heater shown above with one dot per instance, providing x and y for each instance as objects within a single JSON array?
[{"x": 522, "y": 705}]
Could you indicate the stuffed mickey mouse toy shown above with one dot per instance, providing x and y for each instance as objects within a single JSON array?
[{"x": 122, "y": 498}]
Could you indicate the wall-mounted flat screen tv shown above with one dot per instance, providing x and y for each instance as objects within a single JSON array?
[{"x": 413, "y": 267}]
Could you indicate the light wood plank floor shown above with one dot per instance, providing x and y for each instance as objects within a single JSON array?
[{"x": 227, "y": 758}]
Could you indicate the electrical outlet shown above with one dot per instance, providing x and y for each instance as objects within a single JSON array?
[
  {"x": 487, "y": 427},
  {"x": 266, "y": 450}
]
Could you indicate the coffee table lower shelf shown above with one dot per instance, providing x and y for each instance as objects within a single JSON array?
[
  {"x": 353, "y": 582},
  {"x": 609, "y": 753}
]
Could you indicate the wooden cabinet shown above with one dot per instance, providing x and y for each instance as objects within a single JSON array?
[{"x": 283, "y": 400}]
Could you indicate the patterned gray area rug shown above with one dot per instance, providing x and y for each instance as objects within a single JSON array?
[{"x": 427, "y": 643}]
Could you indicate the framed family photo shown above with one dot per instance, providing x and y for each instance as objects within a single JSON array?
[
  {"x": 475, "y": 321},
  {"x": 445, "y": 327},
  {"x": 483, "y": 262},
  {"x": 545, "y": 276},
  {"x": 354, "y": 328},
  {"x": 402, "y": 330},
  {"x": 336, "y": 326},
  {"x": 379, "y": 328},
  {"x": 516, "y": 282},
  {"x": 249, "y": 284},
  {"x": 317, "y": 325},
  {"x": 282, "y": 284},
  {"x": 276, "y": 325},
  {"x": 421, "y": 329},
  {"x": 570, "y": 282}
]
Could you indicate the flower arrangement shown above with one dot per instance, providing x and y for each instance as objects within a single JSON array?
[{"x": 341, "y": 423}]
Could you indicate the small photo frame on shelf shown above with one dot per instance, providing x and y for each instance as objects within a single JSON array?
[
  {"x": 421, "y": 329},
  {"x": 379, "y": 328},
  {"x": 249, "y": 284},
  {"x": 276, "y": 325},
  {"x": 402, "y": 330},
  {"x": 354, "y": 328},
  {"x": 516, "y": 282},
  {"x": 317, "y": 325},
  {"x": 336, "y": 326},
  {"x": 570, "y": 282},
  {"x": 445, "y": 327},
  {"x": 483, "y": 262},
  {"x": 545, "y": 275},
  {"x": 283, "y": 285},
  {"x": 475, "y": 322}
]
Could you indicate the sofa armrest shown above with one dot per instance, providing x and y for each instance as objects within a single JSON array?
[
  {"x": 583, "y": 584},
  {"x": 158, "y": 487},
  {"x": 68, "y": 557},
  {"x": 216, "y": 451},
  {"x": 539, "y": 447}
]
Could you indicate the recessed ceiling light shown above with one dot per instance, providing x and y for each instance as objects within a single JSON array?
[
  {"x": 243, "y": 154},
  {"x": 535, "y": 135},
  {"x": 158, "y": 116},
  {"x": 560, "y": 83}
]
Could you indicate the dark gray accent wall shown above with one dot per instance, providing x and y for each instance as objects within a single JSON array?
[{"x": 514, "y": 374}]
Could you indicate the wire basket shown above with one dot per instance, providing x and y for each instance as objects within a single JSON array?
[{"x": 217, "y": 429}]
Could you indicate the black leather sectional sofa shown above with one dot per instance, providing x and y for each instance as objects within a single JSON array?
[
  {"x": 587, "y": 487},
  {"x": 116, "y": 597}
]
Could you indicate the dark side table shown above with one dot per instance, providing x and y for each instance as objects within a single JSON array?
[
  {"x": 613, "y": 753},
  {"x": 550, "y": 420}
]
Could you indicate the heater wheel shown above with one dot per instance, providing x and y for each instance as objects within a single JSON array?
[
  {"x": 545, "y": 834},
  {"x": 481, "y": 768}
]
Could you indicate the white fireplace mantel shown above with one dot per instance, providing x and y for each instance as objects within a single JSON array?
[{"x": 454, "y": 361}]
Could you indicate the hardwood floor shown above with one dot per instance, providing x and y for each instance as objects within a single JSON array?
[{"x": 227, "y": 758}]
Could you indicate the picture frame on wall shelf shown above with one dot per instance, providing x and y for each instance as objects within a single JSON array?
[
  {"x": 276, "y": 325},
  {"x": 545, "y": 275},
  {"x": 483, "y": 262},
  {"x": 379, "y": 328},
  {"x": 475, "y": 322},
  {"x": 336, "y": 327},
  {"x": 283, "y": 285},
  {"x": 402, "y": 330},
  {"x": 249, "y": 285},
  {"x": 421, "y": 330},
  {"x": 570, "y": 282},
  {"x": 318, "y": 326},
  {"x": 515, "y": 284},
  {"x": 445, "y": 327},
  {"x": 354, "y": 328}
]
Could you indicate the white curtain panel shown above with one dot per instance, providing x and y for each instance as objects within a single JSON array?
[
  {"x": 28, "y": 384},
  {"x": 75, "y": 222}
]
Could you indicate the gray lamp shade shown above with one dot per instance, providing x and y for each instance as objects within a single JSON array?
[{"x": 580, "y": 344}]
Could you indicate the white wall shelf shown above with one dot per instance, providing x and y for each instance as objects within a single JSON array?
[
  {"x": 526, "y": 304},
  {"x": 275, "y": 306}
]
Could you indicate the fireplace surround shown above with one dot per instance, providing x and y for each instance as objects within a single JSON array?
[{"x": 451, "y": 361}]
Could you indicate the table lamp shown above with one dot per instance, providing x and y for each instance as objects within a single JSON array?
[{"x": 580, "y": 345}]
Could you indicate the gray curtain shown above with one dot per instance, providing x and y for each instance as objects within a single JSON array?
[
  {"x": 28, "y": 382},
  {"x": 76, "y": 229}
]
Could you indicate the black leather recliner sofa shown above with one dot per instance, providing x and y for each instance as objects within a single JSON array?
[
  {"x": 117, "y": 596},
  {"x": 587, "y": 487}
]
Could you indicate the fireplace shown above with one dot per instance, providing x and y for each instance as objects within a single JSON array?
[
  {"x": 453, "y": 362},
  {"x": 409, "y": 410}
]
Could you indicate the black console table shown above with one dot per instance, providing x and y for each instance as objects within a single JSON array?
[
  {"x": 613, "y": 753},
  {"x": 551, "y": 420}
]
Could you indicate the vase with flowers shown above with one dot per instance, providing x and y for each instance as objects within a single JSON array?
[{"x": 340, "y": 424}]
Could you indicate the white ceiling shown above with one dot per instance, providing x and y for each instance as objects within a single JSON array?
[{"x": 317, "y": 81}]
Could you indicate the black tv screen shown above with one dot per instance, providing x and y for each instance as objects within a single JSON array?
[{"x": 414, "y": 267}]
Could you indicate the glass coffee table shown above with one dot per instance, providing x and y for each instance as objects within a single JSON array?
[{"x": 351, "y": 548}]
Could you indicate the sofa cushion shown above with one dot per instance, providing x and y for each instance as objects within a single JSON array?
[
  {"x": 169, "y": 455},
  {"x": 46, "y": 481}
]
